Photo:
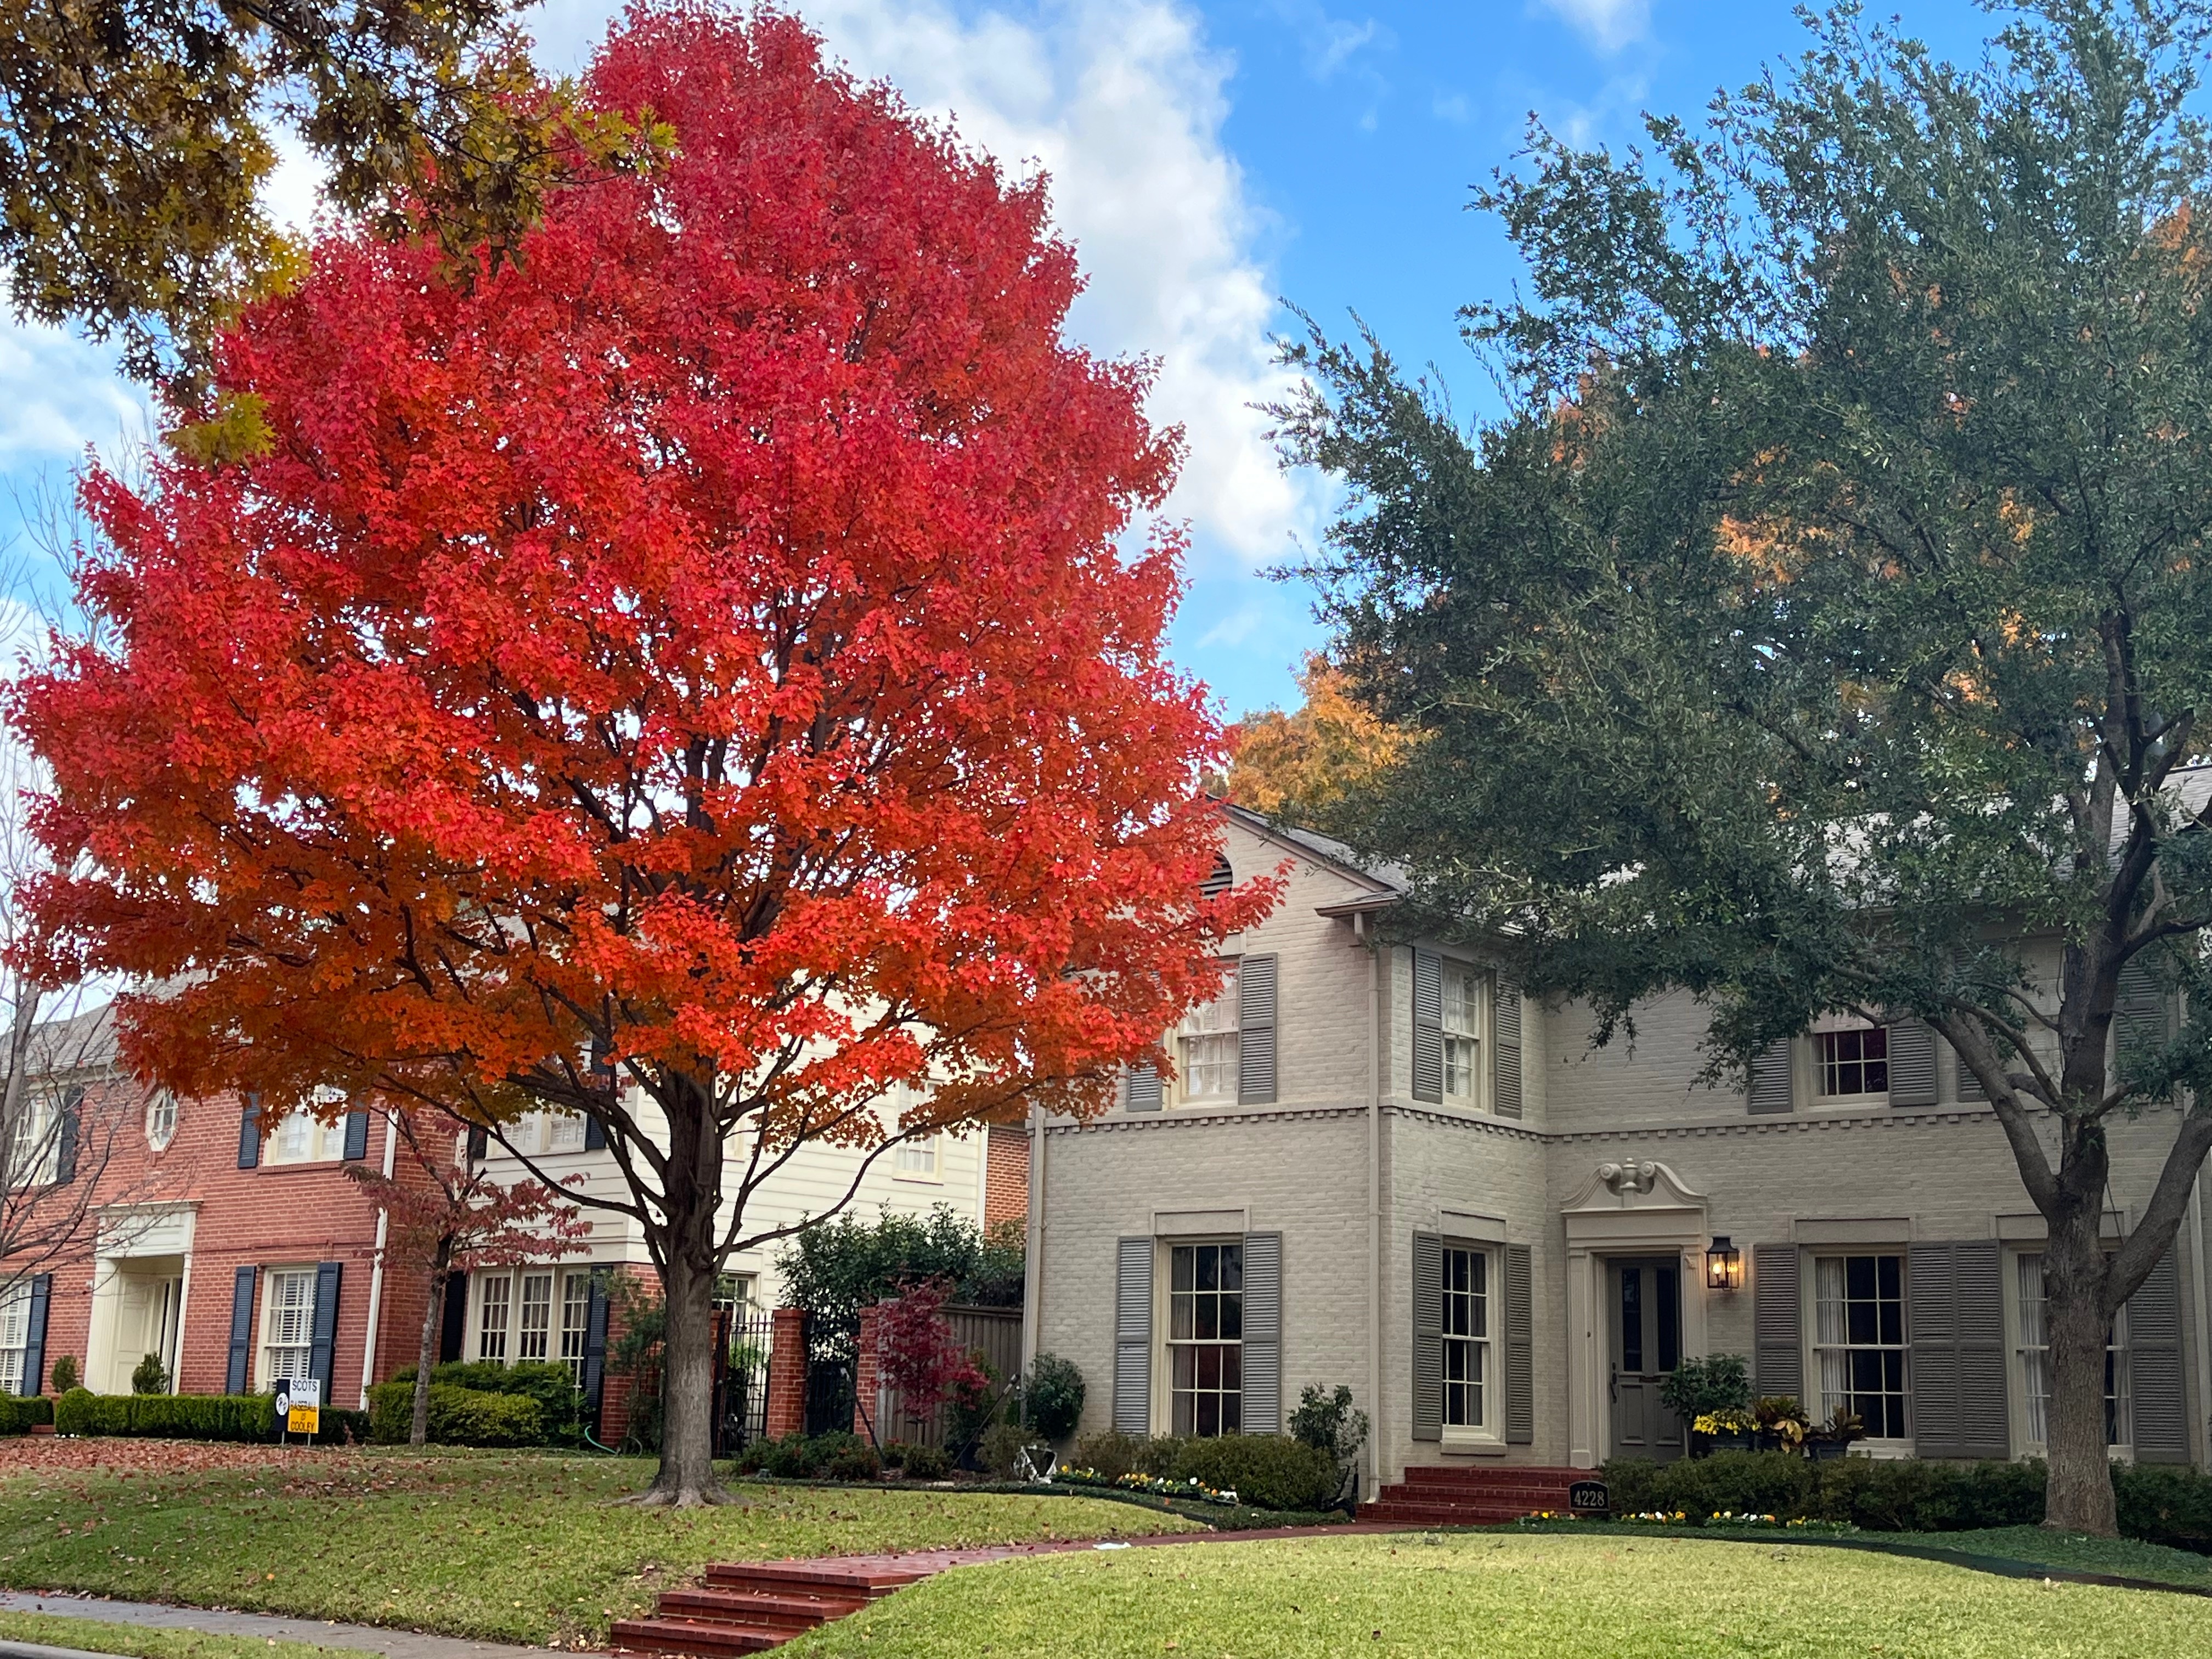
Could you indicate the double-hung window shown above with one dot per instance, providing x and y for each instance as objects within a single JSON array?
[
  {"x": 1468, "y": 1400},
  {"x": 494, "y": 1308},
  {"x": 1462, "y": 1033},
  {"x": 2033, "y": 1354},
  {"x": 1853, "y": 1063},
  {"x": 15, "y": 1336},
  {"x": 1206, "y": 1048},
  {"x": 1858, "y": 1340},
  {"x": 575, "y": 1322},
  {"x": 287, "y": 1328},
  {"x": 916, "y": 1160},
  {"x": 1205, "y": 1338},
  {"x": 534, "y": 1327},
  {"x": 34, "y": 1151}
]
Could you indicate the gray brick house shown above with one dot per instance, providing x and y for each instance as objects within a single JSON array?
[{"x": 1382, "y": 1165}]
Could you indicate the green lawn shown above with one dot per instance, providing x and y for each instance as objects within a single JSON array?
[
  {"x": 525, "y": 1548},
  {"x": 94, "y": 1635},
  {"x": 1505, "y": 1597}
]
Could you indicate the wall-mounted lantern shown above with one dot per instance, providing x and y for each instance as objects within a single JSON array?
[{"x": 1723, "y": 1265}]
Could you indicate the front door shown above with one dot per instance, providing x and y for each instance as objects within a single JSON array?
[{"x": 1646, "y": 1297}]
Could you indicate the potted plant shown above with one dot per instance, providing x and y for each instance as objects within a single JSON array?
[
  {"x": 1833, "y": 1438},
  {"x": 1727, "y": 1430},
  {"x": 1702, "y": 1390},
  {"x": 1782, "y": 1423}
]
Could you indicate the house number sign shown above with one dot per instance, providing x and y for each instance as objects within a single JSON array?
[{"x": 1589, "y": 1498}]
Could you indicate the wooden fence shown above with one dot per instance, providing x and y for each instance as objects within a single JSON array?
[{"x": 996, "y": 1333}]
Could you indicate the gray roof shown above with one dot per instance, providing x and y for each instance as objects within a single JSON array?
[
  {"x": 82, "y": 1041},
  {"x": 1390, "y": 876}
]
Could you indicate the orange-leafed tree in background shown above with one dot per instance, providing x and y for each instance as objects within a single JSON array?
[
  {"x": 1307, "y": 765},
  {"x": 691, "y": 676}
]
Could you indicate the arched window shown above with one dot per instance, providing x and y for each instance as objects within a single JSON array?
[{"x": 1219, "y": 882}]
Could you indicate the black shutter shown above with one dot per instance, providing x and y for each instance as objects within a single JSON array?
[
  {"x": 1132, "y": 1336},
  {"x": 356, "y": 1136},
  {"x": 1777, "y": 1321},
  {"x": 1428, "y": 1335},
  {"x": 2155, "y": 1368},
  {"x": 35, "y": 1336},
  {"x": 1140, "y": 1089},
  {"x": 1505, "y": 1083},
  {"x": 65, "y": 1137},
  {"x": 323, "y": 1353},
  {"x": 1955, "y": 1360},
  {"x": 1263, "y": 1405},
  {"x": 249, "y": 1136},
  {"x": 241, "y": 1369},
  {"x": 1772, "y": 1089},
  {"x": 454, "y": 1326},
  {"x": 595, "y": 1348},
  {"x": 479, "y": 1143},
  {"x": 1912, "y": 1063},
  {"x": 1428, "y": 1028},
  {"x": 1520, "y": 1346},
  {"x": 1255, "y": 1032},
  {"x": 595, "y": 1135}
]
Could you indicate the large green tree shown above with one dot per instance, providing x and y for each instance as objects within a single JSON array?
[{"x": 1823, "y": 624}]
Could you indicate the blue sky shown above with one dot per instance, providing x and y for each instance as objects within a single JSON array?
[{"x": 1209, "y": 159}]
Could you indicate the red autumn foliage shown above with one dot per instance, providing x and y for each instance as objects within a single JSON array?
[
  {"x": 916, "y": 1353},
  {"x": 711, "y": 638}
]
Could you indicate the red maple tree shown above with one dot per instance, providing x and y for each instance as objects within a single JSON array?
[
  {"x": 444, "y": 1212},
  {"x": 710, "y": 643}
]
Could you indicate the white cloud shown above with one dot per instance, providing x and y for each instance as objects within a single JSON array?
[
  {"x": 1607, "y": 24},
  {"x": 59, "y": 394},
  {"x": 1123, "y": 106}
]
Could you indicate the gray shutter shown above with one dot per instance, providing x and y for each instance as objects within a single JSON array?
[
  {"x": 249, "y": 1136},
  {"x": 595, "y": 1346},
  {"x": 1520, "y": 1346},
  {"x": 1777, "y": 1345},
  {"x": 1772, "y": 1089},
  {"x": 356, "y": 1136},
  {"x": 66, "y": 1137},
  {"x": 323, "y": 1350},
  {"x": 1428, "y": 1027},
  {"x": 2139, "y": 1023},
  {"x": 1262, "y": 1409},
  {"x": 1255, "y": 1032},
  {"x": 1133, "y": 1338},
  {"x": 1428, "y": 1336},
  {"x": 1970, "y": 1086},
  {"x": 1506, "y": 1082},
  {"x": 241, "y": 1369},
  {"x": 2154, "y": 1372},
  {"x": 1955, "y": 1359},
  {"x": 35, "y": 1336},
  {"x": 1140, "y": 1089},
  {"x": 1912, "y": 1063}
]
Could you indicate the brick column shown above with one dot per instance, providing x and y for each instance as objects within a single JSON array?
[
  {"x": 787, "y": 1374},
  {"x": 866, "y": 1374}
]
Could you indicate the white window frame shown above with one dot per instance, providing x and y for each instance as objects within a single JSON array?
[
  {"x": 564, "y": 1132},
  {"x": 1819, "y": 1402},
  {"x": 15, "y": 1335},
  {"x": 1818, "y": 1067},
  {"x": 535, "y": 1295},
  {"x": 1464, "y": 996},
  {"x": 2021, "y": 1372},
  {"x": 1168, "y": 1344},
  {"x": 281, "y": 1316},
  {"x": 1481, "y": 1304},
  {"x": 300, "y": 1137},
  {"x": 920, "y": 1160},
  {"x": 35, "y": 1158},
  {"x": 1205, "y": 1049},
  {"x": 481, "y": 1286},
  {"x": 575, "y": 1293},
  {"x": 162, "y": 1112}
]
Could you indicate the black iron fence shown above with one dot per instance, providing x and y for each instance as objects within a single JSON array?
[
  {"x": 832, "y": 1360},
  {"x": 744, "y": 1340}
]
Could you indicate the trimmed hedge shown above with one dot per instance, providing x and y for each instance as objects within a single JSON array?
[
  {"x": 245, "y": 1418},
  {"x": 1267, "y": 1471},
  {"x": 20, "y": 1415},
  {"x": 2159, "y": 1503},
  {"x": 559, "y": 1401},
  {"x": 458, "y": 1417}
]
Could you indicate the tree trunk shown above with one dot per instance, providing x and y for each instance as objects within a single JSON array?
[
  {"x": 433, "y": 1308},
  {"x": 2079, "y": 1498},
  {"x": 686, "y": 1476}
]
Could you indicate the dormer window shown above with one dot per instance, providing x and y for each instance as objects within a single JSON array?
[{"x": 1219, "y": 882}]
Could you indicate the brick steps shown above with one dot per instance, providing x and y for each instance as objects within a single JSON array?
[
  {"x": 1433, "y": 1495},
  {"x": 750, "y": 1607}
]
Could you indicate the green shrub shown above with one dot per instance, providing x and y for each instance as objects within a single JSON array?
[
  {"x": 1271, "y": 1471},
  {"x": 2165, "y": 1504},
  {"x": 1111, "y": 1452},
  {"x": 20, "y": 1415},
  {"x": 151, "y": 1376},
  {"x": 1697, "y": 1388},
  {"x": 1327, "y": 1422},
  {"x": 240, "y": 1417},
  {"x": 559, "y": 1401},
  {"x": 65, "y": 1373},
  {"x": 1881, "y": 1494},
  {"x": 853, "y": 1464},
  {"x": 1053, "y": 1396},
  {"x": 458, "y": 1417},
  {"x": 925, "y": 1463},
  {"x": 999, "y": 1451}
]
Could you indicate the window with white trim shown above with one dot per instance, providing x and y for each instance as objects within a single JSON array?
[
  {"x": 575, "y": 1322},
  {"x": 1462, "y": 1033},
  {"x": 1205, "y": 1048},
  {"x": 160, "y": 1118},
  {"x": 564, "y": 1132},
  {"x": 287, "y": 1324},
  {"x": 531, "y": 1315},
  {"x": 34, "y": 1153},
  {"x": 917, "y": 1160},
  {"x": 533, "y": 1331},
  {"x": 2031, "y": 1358},
  {"x": 1858, "y": 1340},
  {"x": 301, "y": 1138},
  {"x": 1467, "y": 1367},
  {"x": 15, "y": 1335},
  {"x": 1205, "y": 1338},
  {"x": 494, "y": 1308},
  {"x": 1852, "y": 1064}
]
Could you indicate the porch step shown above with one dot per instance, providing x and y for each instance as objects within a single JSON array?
[
  {"x": 1456, "y": 1495},
  {"x": 1420, "y": 1474},
  {"x": 865, "y": 1581},
  {"x": 685, "y": 1636},
  {"x": 762, "y": 1609},
  {"x": 1448, "y": 1515},
  {"x": 749, "y": 1606}
]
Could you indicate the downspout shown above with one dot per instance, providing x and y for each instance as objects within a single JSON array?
[
  {"x": 2198, "y": 1314},
  {"x": 1033, "y": 1264},
  {"x": 1375, "y": 1038},
  {"x": 376, "y": 1269}
]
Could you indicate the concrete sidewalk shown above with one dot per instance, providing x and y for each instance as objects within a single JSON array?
[{"x": 370, "y": 1638}]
